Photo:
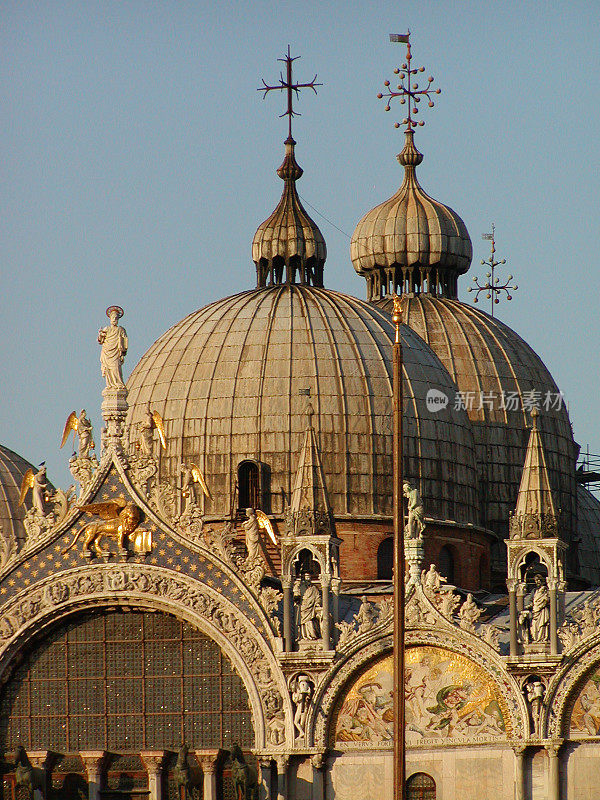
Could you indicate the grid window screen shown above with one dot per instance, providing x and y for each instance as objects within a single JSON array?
[{"x": 124, "y": 681}]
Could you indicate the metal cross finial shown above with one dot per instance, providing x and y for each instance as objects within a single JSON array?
[
  {"x": 493, "y": 287},
  {"x": 407, "y": 90},
  {"x": 290, "y": 87}
]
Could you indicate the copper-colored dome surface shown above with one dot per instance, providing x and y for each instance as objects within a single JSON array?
[
  {"x": 12, "y": 470},
  {"x": 488, "y": 361},
  {"x": 411, "y": 239},
  {"x": 289, "y": 238},
  {"x": 227, "y": 378}
]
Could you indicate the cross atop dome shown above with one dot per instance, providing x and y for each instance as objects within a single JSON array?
[
  {"x": 289, "y": 87},
  {"x": 288, "y": 247}
]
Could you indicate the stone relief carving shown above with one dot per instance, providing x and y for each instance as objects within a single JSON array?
[
  {"x": 307, "y": 522},
  {"x": 582, "y": 623},
  {"x": 8, "y": 548},
  {"x": 270, "y": 599},
  {"x": 469, "y": 614},
  {"x": 38, "y": 525},
  {"x": 83, "y": 469}
]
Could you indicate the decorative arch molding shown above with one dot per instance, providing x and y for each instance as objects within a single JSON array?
[
  {"x": 321, "y": 716},
  {"x": 155, "y": 588},
  {"x": 560, "y": 691}
]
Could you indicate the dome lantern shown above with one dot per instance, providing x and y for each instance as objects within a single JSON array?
[
  {"x": 288, "y": 247},
  {"x": 289, "y": 238},
  {"x": 411, "y": 244}
]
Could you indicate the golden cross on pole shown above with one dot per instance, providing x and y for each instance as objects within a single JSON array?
[
  {"x": 408, "y": 89},
  {"x": 289, "y": 87}
]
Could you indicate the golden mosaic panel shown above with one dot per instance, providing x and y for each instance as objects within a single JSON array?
[{"x": 448, "y": 698}]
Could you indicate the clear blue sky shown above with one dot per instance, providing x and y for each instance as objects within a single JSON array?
[{"x": 138, "y": 160}]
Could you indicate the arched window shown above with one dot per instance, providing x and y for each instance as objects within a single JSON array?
[
  {"x": 420, "y": 786},
  {"x": 385, "y": 559},
  {"x": 446, "y": 564},
  {"x": 123, "y": 682},
  {"x": 249, "y": 485}
]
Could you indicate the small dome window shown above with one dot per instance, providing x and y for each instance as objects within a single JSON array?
[{"x": 385, "y": 559}]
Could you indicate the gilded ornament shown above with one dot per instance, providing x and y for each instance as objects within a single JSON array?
[{"x": 121, "y": 519}]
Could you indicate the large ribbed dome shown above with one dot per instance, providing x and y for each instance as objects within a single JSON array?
[
  {"x": 411, "y": 242},
  {"x": 12, "y": 470},
  {"x": 227, "y": 381},
  {"x": 502, "y": 375},
  {"x": 588, "y": 533}
]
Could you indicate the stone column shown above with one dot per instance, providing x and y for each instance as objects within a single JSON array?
[
  {"x": 553, "y": 770},
  {"x": 553, "y": 618},
  {"x": 286, "y": 585},
  {"x": 153, "y": 761},
  {"x": 520, "y": 596},
  {"x": 326, "y": 632},
  {"x": 265, "y": 777},
  {"x": 519, "y": 772},
  {"x": 208, "y": 760},
  {"x": 335, "y": 588},
  {"x": 282, "y": 768},
  {"x": 93, "y": 761},
  {"x": 512, "y": 606},
  {"x": 318, "y": 777},
  {"x": 39, "y": 760}
]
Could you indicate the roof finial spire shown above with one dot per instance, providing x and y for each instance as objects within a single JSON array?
[
  {"x": 290, "y": 87},
  {"x": 492, "y": 287},
  {"x": 408, "y": 89},
  {"x": 289, "y": 238}
]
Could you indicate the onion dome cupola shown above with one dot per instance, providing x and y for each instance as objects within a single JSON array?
[
  {"x": 411, "y": 243},
  {"x": 288, "y": 247}
]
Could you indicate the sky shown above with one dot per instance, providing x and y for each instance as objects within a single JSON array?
[{"x": 138, "y": 159}]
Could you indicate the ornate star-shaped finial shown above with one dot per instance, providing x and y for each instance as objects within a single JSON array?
[
  {"x": 290, "y": 87},
  {"x": 492, "y": 286},
  {"x": 408, "y": 89}
]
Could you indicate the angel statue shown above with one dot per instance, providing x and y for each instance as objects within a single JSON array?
[
  {"x": 113, "y": 339},
  {"x": 152, "y": 420},
  {"x": 36, "y": 481},
  {"x": 256, "y": 520},
  {"x": 121, "y": 520},
  {"x": 82, "y": 427},
  {"x": 191, "y": 478}
]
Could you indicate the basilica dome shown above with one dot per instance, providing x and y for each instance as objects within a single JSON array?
[
  {"x": 498, "y": 377},
  {"x": 417, "y": 248},
  {"x": 231, "y": 380},
  {"x": 12, "y": 471}
]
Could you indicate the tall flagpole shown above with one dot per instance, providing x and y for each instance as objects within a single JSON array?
[{"x": 399, "y": 567}]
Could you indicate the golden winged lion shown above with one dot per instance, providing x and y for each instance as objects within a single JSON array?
[{"x": 119, "y": 520}]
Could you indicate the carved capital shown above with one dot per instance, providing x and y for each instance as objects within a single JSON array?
[
  {"x": 282, "y": 762},
  {"x": 93, "y": 761},
  {"x": 553, "y": 748},
  {"x": 153, "y": 760},
  {"x": 208, "y": 760}
]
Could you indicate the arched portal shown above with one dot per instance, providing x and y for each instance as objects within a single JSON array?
[
  {"x": 420, "y": 786},
  {"x": 123, "y": 682}
]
